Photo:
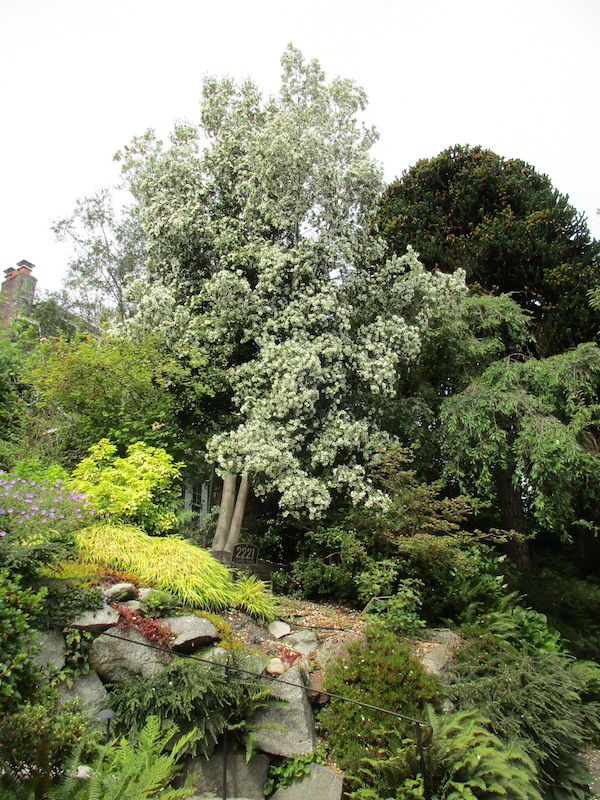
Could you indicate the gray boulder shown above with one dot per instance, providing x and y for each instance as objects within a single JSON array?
[
  {"x": 52, "y": 651},
  {"x": 302, "y": 641},
  {"x": 100, "y": 620},
  {"x": 277, "y": 628},
  {"x": 243, "y": 779},
  {"x": 115, "y": 659},
  {"x": 90, "y": 689},
  {"x": 121, "y": 591},
  {"x": 288, "y": 729},
  {"x": 318, "y": 784},
  {"x": 192, "y": 632},
  {"x": 438, "y": 659},
  {"x": 131, "y": 605}
]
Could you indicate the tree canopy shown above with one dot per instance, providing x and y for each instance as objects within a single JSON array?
[
  {"x": 525, "y": 435},
  {"x": 508, "y": 228},
  {"x": 108, "y": 249},
  {"x": 263, "y": 238}
]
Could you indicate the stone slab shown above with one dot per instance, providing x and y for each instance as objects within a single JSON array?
[
  {"x": 288, "y": 729},
  {"x": 277, "y": 628},
  {"x": 320, "y": 783},
  {"x": 193, "y": 632},
  {"x": 243, "y": 779},
  {"x": 99, "y": 620},
  {"x": 52, "y": 651}
]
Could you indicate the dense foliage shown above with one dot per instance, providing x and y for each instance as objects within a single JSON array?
[
  {"x": 507, "y": 227},
  {"x": 380, "y": 672},
  {"x": 19, "y": 673},
  {"x": 197, "y": 697},
  {"x": 139, "y": 489},
  {"x": 545, "y": 701},
  {"x": 387, "y": 433}
]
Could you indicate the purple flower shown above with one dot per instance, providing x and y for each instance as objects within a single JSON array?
[{"x": 2, "y": 533}]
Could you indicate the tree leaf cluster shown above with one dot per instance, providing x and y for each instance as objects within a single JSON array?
[{"x": 506, "y": 225}]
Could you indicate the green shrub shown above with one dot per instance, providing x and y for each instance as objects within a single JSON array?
[
  {"x": 400, "y": 612},
  {"x": 572, "y": 605},
  {"x": 545, "y": 701},
  {"x": 381, "y": 672},
  {"x": 37, "y": 739},
  {"x": 32, "y": 469},
  {"x": 140, "y": 489},
  {"x": 459, "y": 577},
  {"x": 331, "y": 560},
  {"x": 517, "y": 624},
  {"x": 189, "y": 694},
  {"x": 20, "y": 676}
]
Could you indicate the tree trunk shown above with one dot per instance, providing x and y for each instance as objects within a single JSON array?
[
  {"x": 512, "y": 519},
  {"x": 235, "y": 527},
  {"x": 226, "y": 512}
]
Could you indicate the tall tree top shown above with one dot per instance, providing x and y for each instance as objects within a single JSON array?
[
  {"x": 508, "y": 228},
  {"x": 291, "y": 170}
]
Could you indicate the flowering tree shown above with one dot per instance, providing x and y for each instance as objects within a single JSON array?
[{"x": 263, "y": 238}]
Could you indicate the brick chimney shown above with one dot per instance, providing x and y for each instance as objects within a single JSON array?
[{"x": 17, "y": 292}]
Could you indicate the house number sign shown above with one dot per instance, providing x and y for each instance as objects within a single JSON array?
[{"x": 244, "y": 554}]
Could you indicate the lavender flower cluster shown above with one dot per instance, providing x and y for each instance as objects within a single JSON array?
[{"x": 27, "y": 505}]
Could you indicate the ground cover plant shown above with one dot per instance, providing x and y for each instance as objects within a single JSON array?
[
  {"x": 175, "y": 565},
  {"x": 381, "y": 672},
  {"x": 547, "y": 702},
  {"x": 37, "y": 520}
]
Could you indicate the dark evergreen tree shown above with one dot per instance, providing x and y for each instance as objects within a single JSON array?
[{"x": 508, "y": 228}]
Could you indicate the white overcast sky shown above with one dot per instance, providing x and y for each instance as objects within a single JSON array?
[{"x": 79, "y": 78}]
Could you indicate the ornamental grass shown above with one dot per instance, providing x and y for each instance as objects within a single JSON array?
[{"x": 175, "y": 565}]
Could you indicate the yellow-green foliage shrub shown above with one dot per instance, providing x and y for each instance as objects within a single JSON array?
[
  {"x": 175, "y": 565},
  {"x": 140, "y": 489}
]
